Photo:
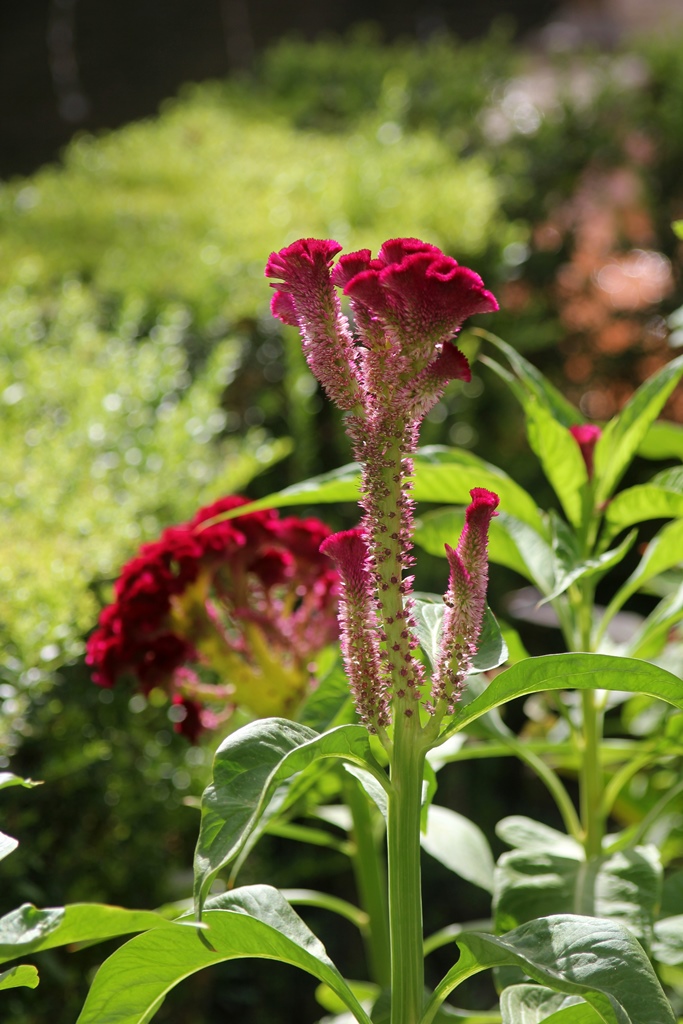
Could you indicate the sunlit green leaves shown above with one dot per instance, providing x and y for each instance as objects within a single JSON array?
[
  {"x": 560, "y": 952},
  {"x": 624, "y": 434},
  {"x": 248, "y": 767},
  {"x": 22, "y": 976},
  {"x": 534, "y": 1004},
  {"x": 560, "y": 457},
  {"x": 624, "y": 886},
  {"x": 255, "y": 921},
  {"x": 570, "y": 671},
  {"x": 664, "y": 551},
  {"x": 29, "y": 930},
  {"x": 460, "y": 845}
]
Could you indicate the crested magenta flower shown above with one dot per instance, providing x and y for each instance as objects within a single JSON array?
[
  {"x": 465, "y": 598},
  {"x": 408, "y": 303},
  {"x": 222, "y": 613}
]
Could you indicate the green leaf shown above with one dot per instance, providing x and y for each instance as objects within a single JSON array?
[
  {"x": 560, "y": 458},
  {"x": 569, "y": 573},
  {"x": 533, "y": 1004},
  {"x": 582, "y": 1013},
  {"x": 624, "y": 433},
  {"x": 678, "y": 228},
  {"x": 652, "y": 633},
  {"x": 663, "y": 440},
  {"x": 584, "y": 956},
  {"x": 442, "y": 476},
  {"x": 664, "y": 551},
  {"x": 566, "y": 672},
  {"x": 7, "y": 779},
  {"x": 640, "y": 503},
  {"x": 667, "y": 946},
  {"x": 248, "y": 767},
  {"x": 28, "y": 930},
  {"x": 329, "y": 702},
  {"x": 512, "y": 543},
  {"x": 365, "y": 992},
  {"x": 429, "y": 611},
  {"x": 624, "y": 886},
  {"x": 254, "y": 921},
  {"x": 21, "y": 976},
  {"x": 526, "y": 834},
  {"x": 460, "y": 845},
  {"x": 7, "y": 845},
  {"x": 536, "y": 386}
]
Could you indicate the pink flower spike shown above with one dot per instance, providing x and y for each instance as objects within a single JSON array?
[
  {"x": 306, "y": 298},
  {"x": 465, "y": 598},
  {"x": 586, "y": 436},
  {"x": 358, "y": 626}
]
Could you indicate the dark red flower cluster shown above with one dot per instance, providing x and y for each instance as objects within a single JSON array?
[{"x": 221, "y": 613}]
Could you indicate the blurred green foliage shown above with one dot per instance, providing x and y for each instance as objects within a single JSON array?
[{"x": 141, "y": 375}]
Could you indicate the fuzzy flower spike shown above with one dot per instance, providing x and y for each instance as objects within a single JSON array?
[{"x": 408, "y": 304}]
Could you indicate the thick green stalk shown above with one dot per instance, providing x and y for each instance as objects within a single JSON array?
[
  {"x": 591, "y": 778},
  {"x": 405, "y": 896},
  {"x": 370, "y": 873}
]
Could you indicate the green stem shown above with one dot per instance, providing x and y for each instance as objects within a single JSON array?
[
  {"x": 591, "y": 777},
  {"x": 370, "y": 874},
  {"x": 405, "y": 897}
]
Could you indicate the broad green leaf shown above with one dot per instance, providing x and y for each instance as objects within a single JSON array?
[
  {"x": 533, "y": 1004},
  {"x": 624, "y": 886},
  {"x": 678, "y": 228},
  {"x": 442, "y": 476},
  {"x": 560, "y": 458},
  {"x": 567, "y": 672},
  {"x": 663, "y": 440},
  {"x": 248, "y": 767},
  {"x": 28, "y": 930},
  {"x": 512, "y": 543},
  {"x": 582, "y": 1013},
  {"x": 640, "y": 503},
  {"x": 330, "y": 702},
  {"x": 365, "y": 992},
  {"x": 526, "y": 834},
  {"x": 460, "y": 845},
  {"x": 664, "y": 551},
  {"x": 536, "y": 386},
  {"x": 7, "y": 845},
  {"x": 667, "y": 946},
  {"x": 254, "y": 921},
  {"x": 624, "y": 433},
  {"x": 429, "y": 611},
  {"x": 7, "y": 779},
  {"x": 22, "y": 976},
  {"x": 567, "y": 574},
  {"x": 652, "y": 633},
  {"x": 584, "y": 956}
]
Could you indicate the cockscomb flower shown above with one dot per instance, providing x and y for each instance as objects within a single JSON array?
[
  {"x": 587, "y": 436},
  {"x": 408, "y": 304},
  {"x": 222, "y": 613},
  {"x": 465, "y": 599}
]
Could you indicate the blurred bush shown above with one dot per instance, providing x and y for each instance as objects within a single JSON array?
[{"x": 141, "y": 374}]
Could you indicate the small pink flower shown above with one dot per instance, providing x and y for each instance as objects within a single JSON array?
[
  {"x": 465, "y": 597},
  {"x": 586, "y": 436},
  {"x": 359, "y": 626}
]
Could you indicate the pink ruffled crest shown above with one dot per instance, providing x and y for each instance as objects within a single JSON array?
[
  {"x": 414, "y": 287},
  {"x": 587, "y": 436},
  {"x": 302, "y": 264}
]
